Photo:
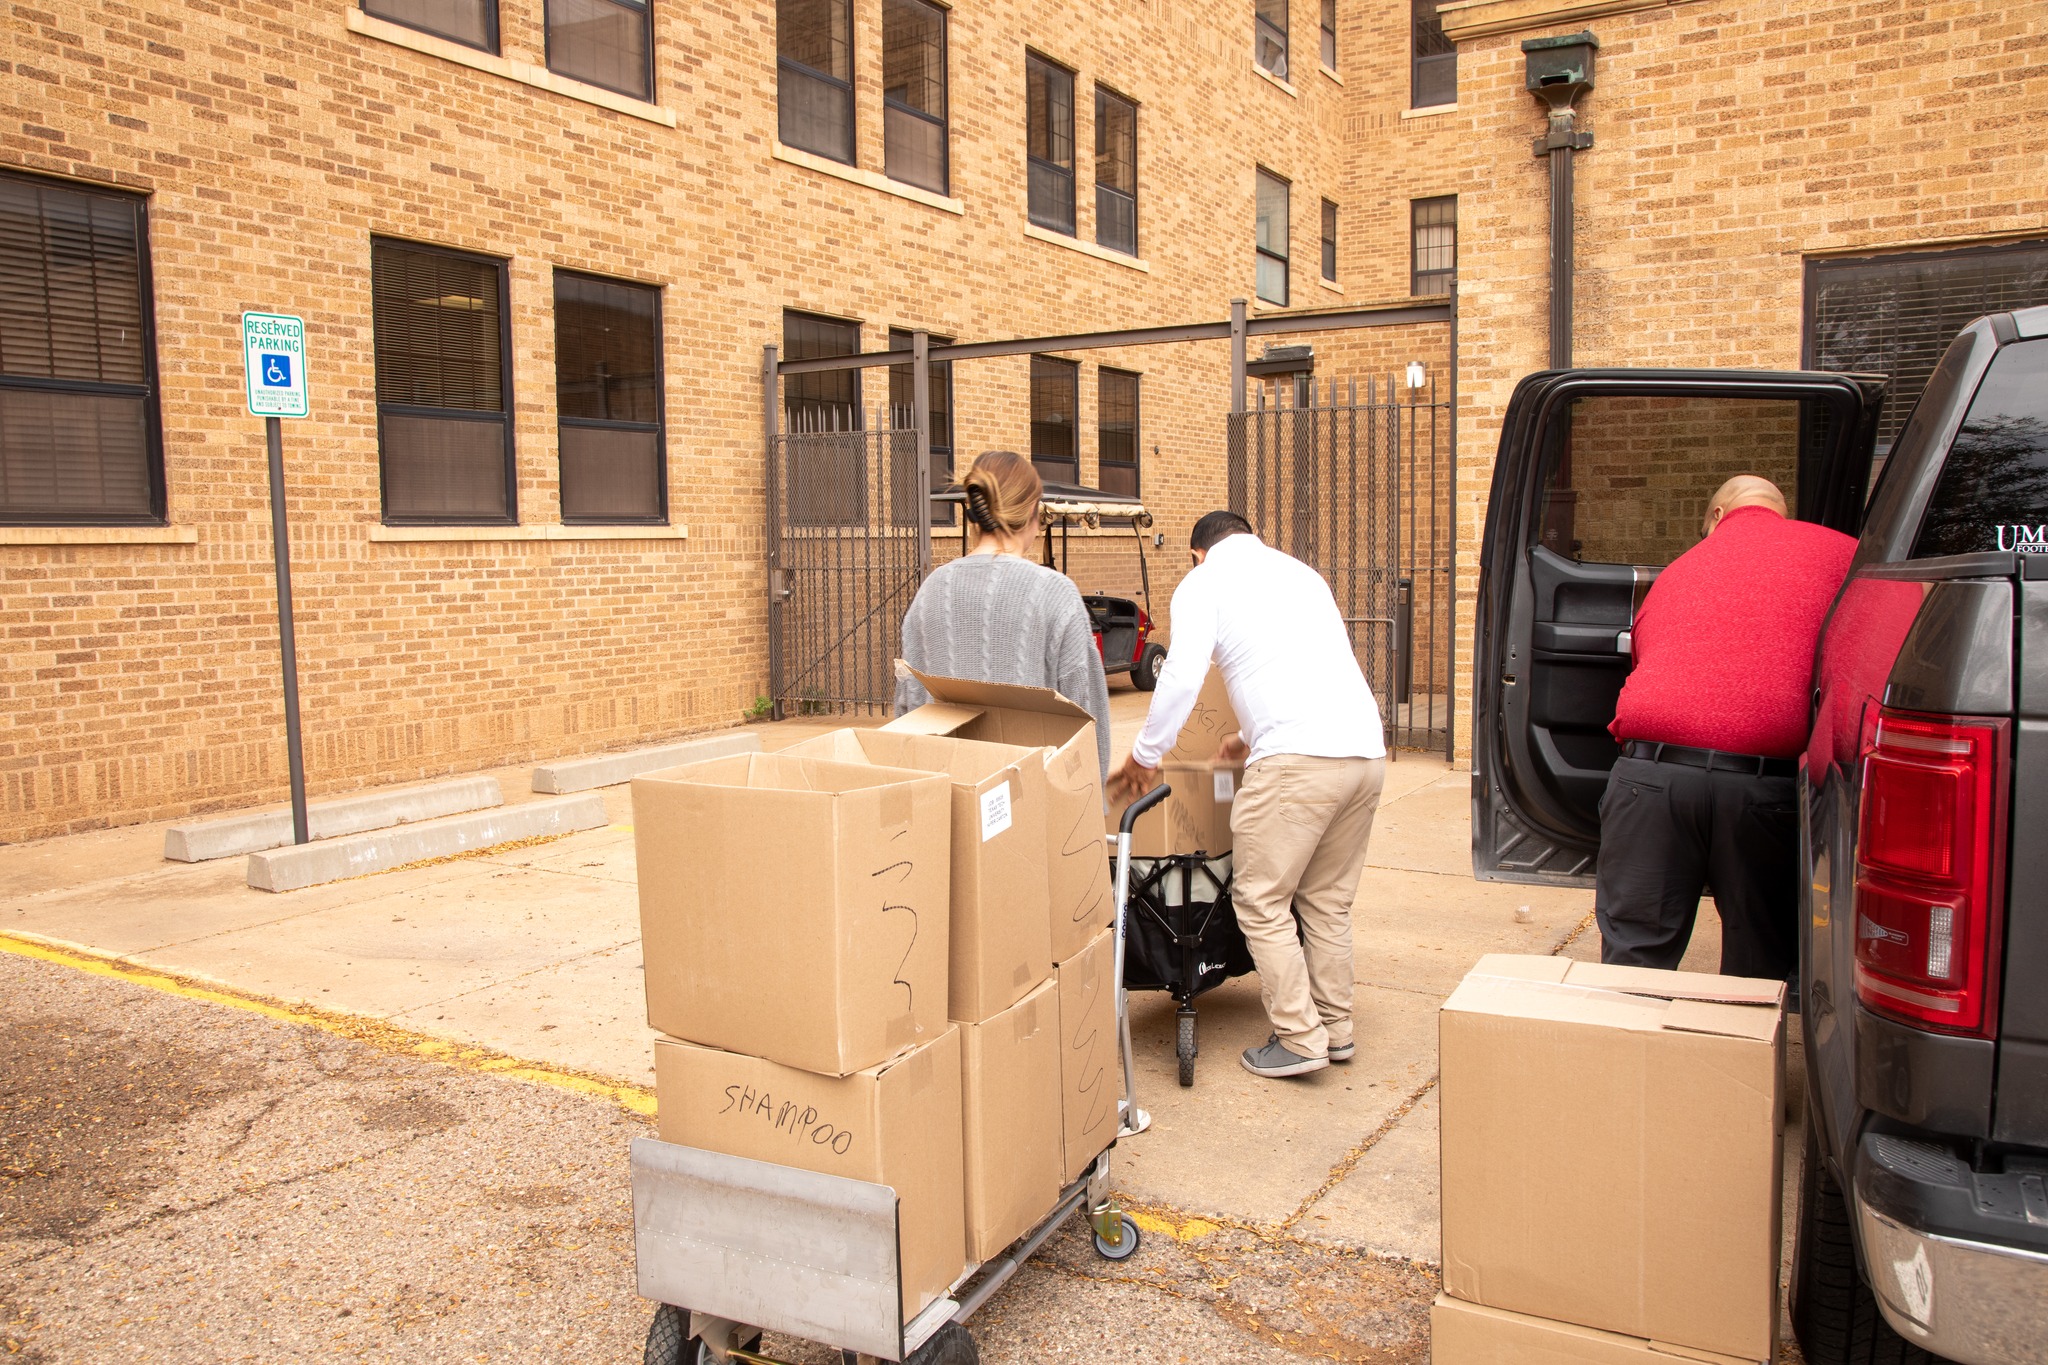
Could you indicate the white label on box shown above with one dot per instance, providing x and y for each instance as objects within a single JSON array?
[
  {"x": 995, "y": 811},
  {"x": 1226, "y": 785}
]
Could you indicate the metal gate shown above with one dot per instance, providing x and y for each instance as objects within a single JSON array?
[
  {"x": 849, "y": 543},
  {"x": 1359, "y": 485}
]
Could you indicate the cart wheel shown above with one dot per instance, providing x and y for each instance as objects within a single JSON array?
[
  {"x": 669, "y": 1341},
  {"x": 1128, "y": 1249},
  {"x": 950, "y": 1345},
  {"x": 1186, "y": 1048},
  {"x": 1145, "y": 673}
]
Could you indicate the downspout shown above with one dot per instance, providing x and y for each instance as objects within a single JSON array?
[{"x": 1559, "y": 69}]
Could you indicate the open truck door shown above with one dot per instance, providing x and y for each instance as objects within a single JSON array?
[{"x": 1602, "y": 478}]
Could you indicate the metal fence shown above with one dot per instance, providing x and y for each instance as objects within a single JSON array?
[
  {"x": 1359, "y": 485},
  {"x": 844, "y": 557}
]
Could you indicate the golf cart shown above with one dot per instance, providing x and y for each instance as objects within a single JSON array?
[{"x": 1123, "y": 629}]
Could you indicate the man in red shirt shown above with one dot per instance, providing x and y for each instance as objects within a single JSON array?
[{"x": 1711, "y": 722}]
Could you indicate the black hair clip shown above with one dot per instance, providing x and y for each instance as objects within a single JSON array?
[{"x": 978, "y": 509}]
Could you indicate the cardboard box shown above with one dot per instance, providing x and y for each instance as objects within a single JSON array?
[
  {"x": 1194, "y": 818},
  {"x": 1077, "y": 857},
  {"x": 1000, "y": 944},
  {"x": 1469, "y": 1334},
  {"x": 1091, "y": 1072},
  {"x": 794, "y": 908},
  {"x": 1611, "y": 1155},
  {"x": 1010, "y": 1099},
  {"x": 897, "y": 1124},
  {"x": 1206, "y": 726}
]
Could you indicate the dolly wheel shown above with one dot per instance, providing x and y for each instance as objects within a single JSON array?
[
  {"x": 950, "y": 1345},
  {"x": 1185, "y": 1046},
  {"x": 669, "y": 1341},
  {"x": 1125, "y": 1249}
]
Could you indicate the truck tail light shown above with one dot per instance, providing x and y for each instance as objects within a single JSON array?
[{"x": 1930, "y": 862}]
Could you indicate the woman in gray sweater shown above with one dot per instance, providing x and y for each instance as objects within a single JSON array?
[{"x": 994, "y": 616}]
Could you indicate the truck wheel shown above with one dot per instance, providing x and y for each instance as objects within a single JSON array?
[
  {"x": 1834, "y": 1314},
  {"x": 1145, "y": 673},
  {"x": 950, "y": 1345}
]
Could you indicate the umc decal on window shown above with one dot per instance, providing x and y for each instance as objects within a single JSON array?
[{"x": 2026, "y": 540}]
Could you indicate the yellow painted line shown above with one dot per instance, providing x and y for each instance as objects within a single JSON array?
[{"x": 376, "y": 1033}]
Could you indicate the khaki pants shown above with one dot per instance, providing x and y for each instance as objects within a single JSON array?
[{"x": 1300, "y": 826}]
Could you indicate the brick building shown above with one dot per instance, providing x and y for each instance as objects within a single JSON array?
[{"x": 539, "y": 246}]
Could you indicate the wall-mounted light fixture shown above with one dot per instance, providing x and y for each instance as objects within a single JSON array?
[{"x": 1417, "y": 376}]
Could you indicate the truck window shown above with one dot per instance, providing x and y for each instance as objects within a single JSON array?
[
  {"x": 1628, "y": 481},
  {"x": 1993, "y": 490}
]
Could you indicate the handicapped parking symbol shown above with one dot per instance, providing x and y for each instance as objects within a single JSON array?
[{"x": 276, "y": 370}]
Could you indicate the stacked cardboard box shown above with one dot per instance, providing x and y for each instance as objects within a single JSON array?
[
  {"x": 882, "y": 954},
  {"x": 1196, "y": 817},
  {"x": 1611, "y": 1165}
]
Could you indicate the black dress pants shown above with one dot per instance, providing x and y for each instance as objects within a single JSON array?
[{"x": 1667, "y": 832}]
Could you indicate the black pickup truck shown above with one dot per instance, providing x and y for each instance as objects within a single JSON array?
[{"x": 1922, "y": 1230}]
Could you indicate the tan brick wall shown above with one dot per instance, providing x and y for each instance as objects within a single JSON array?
[{"x": 273, "y": 142}]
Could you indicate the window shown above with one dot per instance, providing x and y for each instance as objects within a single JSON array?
[
  {"x": 826, "y": 474},
  {"x": 1433, "y": 66},
  {"x": 1049, "y": 142},
  {"x": 1116, "y": 429},
  {"x": 914, "y": 93},
  {"x": 938, "y": 421},
  {"x": 1272, "y": 238},
  {"x": 603, "y": 42},
  {"x": 608, "y": 400},
  {"x": 1269, "y": 36},
  {"x": 444, "y": 385},
  {"x": 80, "y": 439},
  {"x": 814, "y": 76},
  {"x": 1993, "y": 493},
  {"x": 1433, "y": 254},
  {"x": 1330, "y": 34},
  {"x": 471, "y": 22},
  {"x": 1116, "y": 172},
  {"x": 1055, "y": 413},
  {"x": 1895, "y": 314},
  {"x": 1329, "y": 241}
]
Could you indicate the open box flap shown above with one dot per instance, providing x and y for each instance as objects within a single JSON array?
[
  {"x": 1730, "y": 990},
  {"x": 1003, "y": 696}
]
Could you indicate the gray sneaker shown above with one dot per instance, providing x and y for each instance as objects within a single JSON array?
[
  {"x": 1343, "y": 1052},
  {"x": 1274, "y": 1060}
]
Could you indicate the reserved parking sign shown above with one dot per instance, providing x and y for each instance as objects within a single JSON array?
[{"x": 274, "y": 355}]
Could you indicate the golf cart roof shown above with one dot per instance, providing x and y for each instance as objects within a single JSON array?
[{"x": 1075, "y": 505}]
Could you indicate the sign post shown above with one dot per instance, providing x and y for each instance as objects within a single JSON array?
[{"x": 274, "y": 358}]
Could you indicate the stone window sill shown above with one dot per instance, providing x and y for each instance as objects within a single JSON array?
[
  {"x": 854, "y": 175},
  {"x": 99, "y": 535},
  {"x": 526, "y": 73},
  {"x": 1429, "y": 111},
  {"x": 1466, "y": 19},
  {"x": 1331, "y": 285},
  {"x": 1327, "y": 71},
  {"x": 1274, "y": 80},
  {"x": 483, "y": 534},
  {"x": 1100, "y": 253}
]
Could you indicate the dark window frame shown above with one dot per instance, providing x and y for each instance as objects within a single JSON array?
[
  {"x": 809, "y": 502},
  {"x": 1330, "y": 212},
  {"x": 150, "y": 390},
  {"x": 1136, "y": 463},
  {"x": 1264, "y": 28},
  {"x": 1069, "y": 174},
  {"x": 1416, "y": 272},
  {"x": 1328, "y": 28},
  {"x": 1103, "y": 95},
  {"x": 502, "y": 267},
  {"x": 1071, "y": 463},
  {"x": 943, "y": 122},
  {"x": 1285, "y": 254},
  {"x": 1429, "y": 54},
  {"x": 493, "y": 42},
  {"x": 782, "y": 63},
  {"x": 646, "y": 10},
  {"x": 900, "y": 339},
  {"x": 658, "y": 427}
]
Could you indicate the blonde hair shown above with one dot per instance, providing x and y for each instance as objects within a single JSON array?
[{"x": 1002, "y": 492}]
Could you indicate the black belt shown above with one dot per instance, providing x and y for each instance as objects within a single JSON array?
[{"x": 1713, "y": 760}]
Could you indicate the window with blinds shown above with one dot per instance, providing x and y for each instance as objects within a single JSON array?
[
  {"x": 825, "y": 473},
  {"x": 1433, "y": 58},
  {"x": 609, "y": 43},
  {"x": 1895, "y": 314},
  {"x": 80, "y": 438},
  {"x": 1432, "y": 244},
  {"x": 1270, "y": 256},
  {"x": 444, "y": 386},
  {"x": 938, "y": 421},
  {"x": 1049, "y": 143},
  {"x": 473, "y": 23},
  {"x": 914, "y": 94},
  {"x": 1116, "y": 171},
  {"x": 1055, "y": 415},
  {"x": 1116, "y": 430},
  {"x": 814, "y": 76},
  {"x": 608, "y": 401}
]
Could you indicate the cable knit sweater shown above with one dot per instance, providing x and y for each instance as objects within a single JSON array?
[{"x": 1002, "y": 619}]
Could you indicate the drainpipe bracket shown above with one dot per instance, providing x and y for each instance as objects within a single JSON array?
[{"x": 1557, "y": 140}]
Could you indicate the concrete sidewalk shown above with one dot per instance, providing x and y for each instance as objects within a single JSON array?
[{"x": 535, "y": 952}]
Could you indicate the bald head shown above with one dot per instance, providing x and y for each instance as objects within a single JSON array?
[{"x": 1744, "y": 490}]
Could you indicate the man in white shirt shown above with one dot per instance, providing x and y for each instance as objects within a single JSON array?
[{"x": 1315, "y": 758}]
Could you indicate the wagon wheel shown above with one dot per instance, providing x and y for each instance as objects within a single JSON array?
[
  {"x": 950, "y": 1345},
  {"x": 669, "y": 1341},
  {"x": 1185, "y": 1046}
]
